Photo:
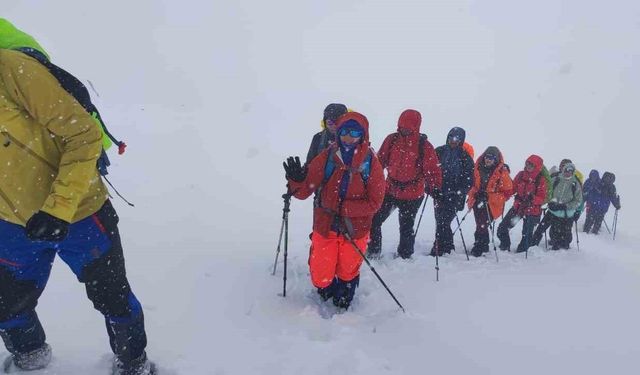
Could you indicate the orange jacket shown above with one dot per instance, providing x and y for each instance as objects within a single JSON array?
[
  {"x": 499, "y": 187},
  {"x": 469, "y": 149}
]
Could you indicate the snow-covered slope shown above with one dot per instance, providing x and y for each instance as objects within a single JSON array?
[{"x": 212, "y": 96}]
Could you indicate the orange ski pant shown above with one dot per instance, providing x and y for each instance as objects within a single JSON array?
[{"x": 334, "y": 256}]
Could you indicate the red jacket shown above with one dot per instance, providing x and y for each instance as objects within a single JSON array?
[
  {"x": 362, "y": 200},
  {"x": 407, "y": 176},
  {"x": 530, "y": 189}
]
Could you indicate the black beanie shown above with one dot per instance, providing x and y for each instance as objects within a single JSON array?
[{"x": 334, "y": 111}]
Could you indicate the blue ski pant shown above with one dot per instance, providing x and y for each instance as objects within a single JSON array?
[{"x": 94, "y": 253}]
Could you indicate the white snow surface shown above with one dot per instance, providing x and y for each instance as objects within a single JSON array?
[{"x": 212, "y": 96}]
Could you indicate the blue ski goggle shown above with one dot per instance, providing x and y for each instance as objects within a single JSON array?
[
  {"x": 491, "y": 157},
  {"x": 354, "y": 133}
]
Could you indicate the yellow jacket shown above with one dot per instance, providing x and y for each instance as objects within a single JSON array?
[{"x": 49, "y": 146}]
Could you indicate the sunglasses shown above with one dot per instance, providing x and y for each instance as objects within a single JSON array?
[
  {"x": 491, "y": 157},
  {"x": 353, "y": 133},
  {"x": 329, "y": 122}
]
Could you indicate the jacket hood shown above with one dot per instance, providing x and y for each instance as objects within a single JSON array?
[
  {"x": 492, "y": 150},
  {"x": 333, "y": 111},
  {"x": 410, "y": 119},
  {"x": 608, "y": 177},
  {"x": 564, "y": 162},
  {"x": 568, "y": 166},
  {"x": 359, "y": 118},
  {"x": 537, "y": 162},
  {"x": 594, "y": 174},
  {"x": 13, "y": 38},
  {"x": 457, "y": 132}
]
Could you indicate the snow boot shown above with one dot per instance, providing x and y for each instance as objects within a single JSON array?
[
  {"x": 327, "y": 292},
  {"x": 521, "y": 248},
  {"x": 443, "y": 249},
  {"x": 505, "y": 241},
  {"x": 138, "y": 366},
  {"x": 478, "y": 249},
  {"x": 374, "y": 255},
  {"x": 34, "y": 360},
  {"x": 344, "y": 292}
]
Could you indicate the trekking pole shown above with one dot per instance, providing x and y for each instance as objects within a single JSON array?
[
  {"x": 461, "y": 220},
  {"x": 424, "y": 205},
  {"x": 526, "y": 252},
  {"x": 286, "y": 243},
  {"x": 615, "y": 224},
  {"x": 577, "y": 236},
  {"x": 284, "y": 228},
  {"x": 493, "y": 226},
  {"x": 546, "y": 246},
  {"x": 275, "y": 263},
  {"x": 347, "y": 234},
  {"x": 437, "y": 265},
  {"x": 607, "y": 225},
  {"x": 541, "y": 223},
  {"x": 461, "y": 236},
  {"x": 493, "y": 241},
  {"x": 437, "y": 248},
  {"x": 285, "y": 218}
]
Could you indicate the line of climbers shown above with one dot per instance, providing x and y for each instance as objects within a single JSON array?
[{"x": 353, "y": 198}]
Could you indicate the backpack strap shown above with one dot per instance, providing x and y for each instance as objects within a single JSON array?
[
  {"x": 573, "y": 185},
  {"x": 78, "y": 90},
  {"x": 330, "y": 165},
  {"x": 323, "y": 142},
  {"x": 421, "y": 145},
  {"x": 364, "y": 168}
]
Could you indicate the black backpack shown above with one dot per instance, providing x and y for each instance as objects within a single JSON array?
[{"x": 79, "y": 91}]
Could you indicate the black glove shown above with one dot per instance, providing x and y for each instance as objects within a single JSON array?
[
  {"x": 436, "y": 194},
  {"x": 44, "y": 227},
  {"x": 555, "y": 206},
  {"x": 294, "y": 170},
  {"x": 616, "y": 203},
  {"x": 576, "y": 216},
  {"x": 482, "y": 196}
]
